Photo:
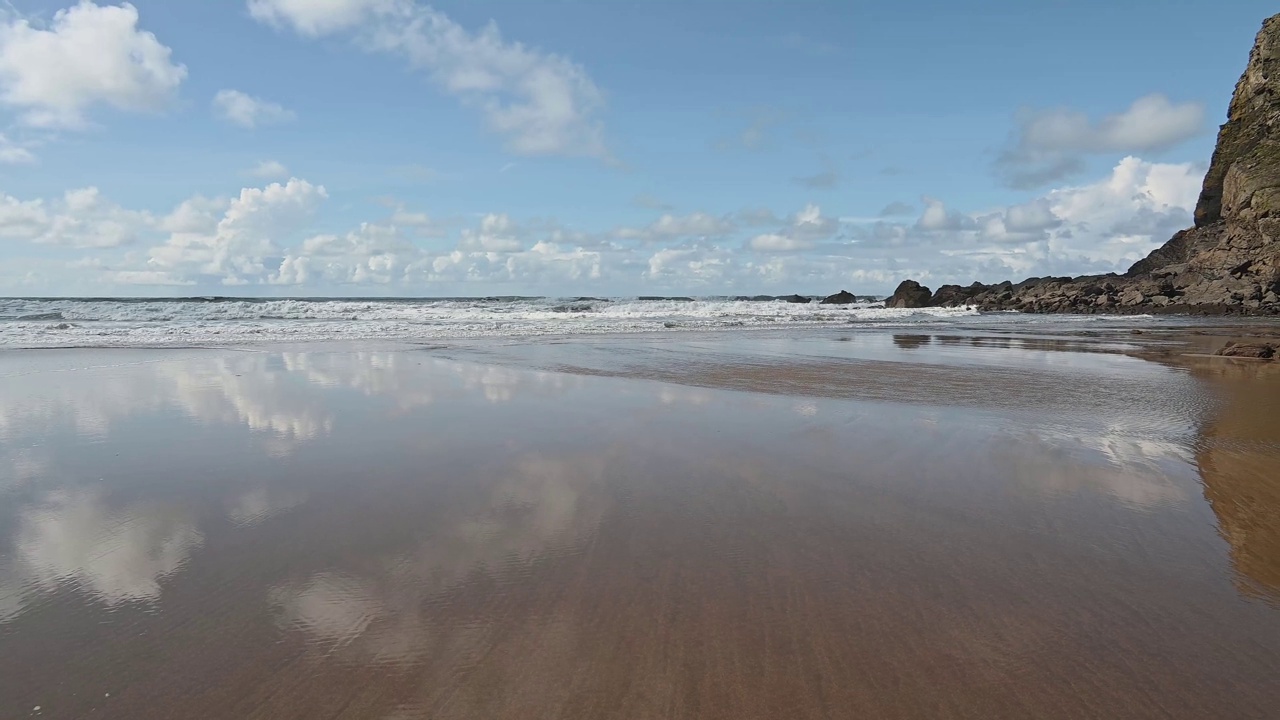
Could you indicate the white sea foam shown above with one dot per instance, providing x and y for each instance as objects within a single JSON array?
[{"x": 134, "y": 323}]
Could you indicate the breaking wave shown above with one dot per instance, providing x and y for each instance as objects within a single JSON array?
[{"x": 228, "y": 321}]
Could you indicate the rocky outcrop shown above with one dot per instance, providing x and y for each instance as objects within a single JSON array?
[
  {"x": 844, "y": 297},
  {"x": 796, "y": 299},
  {"x": 1228, "y": 263},
  {"x": 910, "y": 294},
  {"x": 1257, "y": 351}
]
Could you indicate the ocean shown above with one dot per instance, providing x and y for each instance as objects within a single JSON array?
[{"x": 225, "y": 321}]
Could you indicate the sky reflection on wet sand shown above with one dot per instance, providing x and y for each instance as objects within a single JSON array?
[{"x": 710, "y": 531}]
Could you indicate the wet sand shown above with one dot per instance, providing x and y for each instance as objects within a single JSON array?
[{"x": 876, "y": 525}]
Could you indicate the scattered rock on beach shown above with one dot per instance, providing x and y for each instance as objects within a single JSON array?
[{"x": 1260, "y": 351}]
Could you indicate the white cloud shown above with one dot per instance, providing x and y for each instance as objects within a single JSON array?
[
  {"x": 539, "y": 102},
  {"x": 89, "y": 55},
  {"x": 496, "y": 234},
  {"x": 269, "y": 170},
  {"x": 670, "y": 227},
  {"x": 12, "y": 153},
  {"x": 1103, "y": 226},
  {"x": 811, "y": 223},
  {"x": 1049, "y": 145},
  {"x": 801, "y": 232},
  {"x": 314, "y": 18},
  {"x": 81, "y": 218},
  {"x": 248, "y": 232},
  {"x": 773, "y": 242},
  {"x": 373, "y": 253},
  {"x": 1031, "y": 217},
  {"x": 691, "y": 267},
  {"x": 249, "y": 112},
  {"x": 194, "y": 215},
  {"x": 936, "y": 217},
  {"x": 266, "y": 236}
]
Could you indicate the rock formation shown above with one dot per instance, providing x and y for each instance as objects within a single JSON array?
[
  {"x": 844, "y": 297},
  {"x": 1228, "y": 263},
  {"x": 910, "y": 294}
]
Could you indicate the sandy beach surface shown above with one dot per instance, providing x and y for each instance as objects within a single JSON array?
[{"x": 816, "y": 523}]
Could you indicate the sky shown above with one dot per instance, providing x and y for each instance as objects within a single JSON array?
[{"x": 395, "y": 147}]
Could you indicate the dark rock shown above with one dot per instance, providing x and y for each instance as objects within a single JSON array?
[
  {"x": 1244, "y": 162},
  {"x": 844, "y": 297},
  {"x": 910, "y": 294},
  {"x": 956, "y": 296},
  {"x": 1260, "y": 351},
  {"x": 797, "y": 299}
]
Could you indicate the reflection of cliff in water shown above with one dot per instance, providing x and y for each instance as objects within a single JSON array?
[{"x": 1239, "y": 461}]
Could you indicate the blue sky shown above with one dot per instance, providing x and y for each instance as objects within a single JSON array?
[{"x": 371, "y": 147}]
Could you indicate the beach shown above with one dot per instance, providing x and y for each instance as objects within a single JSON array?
[{"x": 940, "y": 516}]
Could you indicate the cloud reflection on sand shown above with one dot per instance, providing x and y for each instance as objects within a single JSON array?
[
  {"x": 380, "y": 612},
  {"x": 117, "y": 554},
  {"x": 1137, "y": 471},
  {"x": 273, "y": 394}
]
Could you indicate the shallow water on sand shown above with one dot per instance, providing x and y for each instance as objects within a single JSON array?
[{"x": 889, "y": 526}]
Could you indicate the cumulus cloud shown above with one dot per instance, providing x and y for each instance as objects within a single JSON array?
[
  {"x": 268, "y": 235},
  {"x": 496, "y": 234},
  {"x": 540, "y": 103},
  {"x": 269, "y": 170},
  {"x": 249, "y": 112},
  {"x": 805, "y": 228},
  {"x": 81, "y": 219},
  {"x": 1050, "y": 145},
  {"x": 1103, "y": 226},
  {"x": 936, "y": 217},
  {"x": 238, "y": 244},
  {"x": 372, "y": 254},
  {"x": 89, "y": 55}
]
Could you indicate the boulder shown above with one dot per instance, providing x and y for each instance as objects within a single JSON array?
[
  {"x": 844, "y": 297},
  {"x": 1259, "y": 351},
  {"x": 797, "y": 299},
  {"x": 910, "y": 294}
]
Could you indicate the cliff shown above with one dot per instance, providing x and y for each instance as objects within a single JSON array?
[{"x": 1228, "y": 263}]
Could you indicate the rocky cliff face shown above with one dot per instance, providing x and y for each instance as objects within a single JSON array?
[{"x": 1228, "y": 263}]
